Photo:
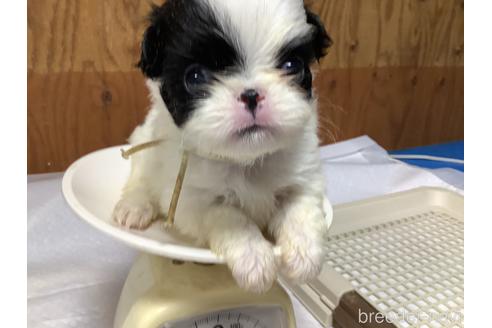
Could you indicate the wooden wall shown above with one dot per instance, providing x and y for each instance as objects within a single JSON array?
[{"x": 395, "y": 73}]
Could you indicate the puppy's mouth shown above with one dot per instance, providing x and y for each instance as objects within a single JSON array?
[{"x": 252, "y": 130}]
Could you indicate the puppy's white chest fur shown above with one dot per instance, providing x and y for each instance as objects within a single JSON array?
[
  {"x": 257, "y": 188},
  {"x": 254, "y": 188}
]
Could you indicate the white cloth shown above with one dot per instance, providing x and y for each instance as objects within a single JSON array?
[
  {"x": 75, "y": 273},
  {"x": 359, "y": 168}
]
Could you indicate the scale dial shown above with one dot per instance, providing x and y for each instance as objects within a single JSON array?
[{"x": 250, "y": 317}]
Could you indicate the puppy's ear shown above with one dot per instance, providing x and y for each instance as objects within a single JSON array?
[
  {"x": 321, "y": 40},
  {"x": 152, "y": 47}
]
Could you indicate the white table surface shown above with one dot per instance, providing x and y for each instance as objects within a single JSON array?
[{"x": 75, "y": 273}]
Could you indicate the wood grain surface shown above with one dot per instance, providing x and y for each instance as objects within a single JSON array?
[
  {"x": 382, "y": 33},
  {"x": 397, "y": 106},
  {"x": 395, "y": 73}
]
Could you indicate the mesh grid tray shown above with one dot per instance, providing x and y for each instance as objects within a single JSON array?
[{"x": 402, "y": 253}]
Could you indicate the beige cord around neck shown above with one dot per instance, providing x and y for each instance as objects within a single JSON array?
[{"x": 126, "y": 154}]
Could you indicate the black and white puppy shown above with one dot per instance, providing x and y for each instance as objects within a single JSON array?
[{"x": 230, "y": 82}]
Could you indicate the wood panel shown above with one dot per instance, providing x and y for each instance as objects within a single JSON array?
[
  {"x": 394, "y": 73},
  {"x": 84, "y": 35},
  {"x": 73, "y": 113},
  {"x": 398, "y": 107},
  {"x": 381, "y": 33}
]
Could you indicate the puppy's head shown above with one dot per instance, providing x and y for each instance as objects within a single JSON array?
[{"x": 235, "y": 75}]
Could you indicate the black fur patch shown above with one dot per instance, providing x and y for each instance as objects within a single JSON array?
[
  {"x": 308, "y": 48},
  {"x": 321, "y": 41},
  {"x": 181, "y": 33}
]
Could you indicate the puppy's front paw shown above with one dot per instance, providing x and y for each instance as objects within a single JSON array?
[
  {"x": 135, "y": 212},
  {"x": 302, "y": 260},
  {"x": 302, "y": 247},
  {"x": 253, "y": 265}
]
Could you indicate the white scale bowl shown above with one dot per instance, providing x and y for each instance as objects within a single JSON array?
[{"x": 92, "y": 187}]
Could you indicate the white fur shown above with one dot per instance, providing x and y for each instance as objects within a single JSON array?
[
  {"x": 261, "y": 26},
  {"x": 237, "y": 188}
]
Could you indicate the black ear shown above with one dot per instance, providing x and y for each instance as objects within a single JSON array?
[
  {"x": 321, "y": 39},
  {"x": 152, "y": 47}
]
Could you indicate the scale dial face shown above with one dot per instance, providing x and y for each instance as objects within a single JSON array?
[{"x": 250, "y": 317}]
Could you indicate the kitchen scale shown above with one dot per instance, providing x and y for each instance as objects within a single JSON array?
[{"x": 172, "y": 284}]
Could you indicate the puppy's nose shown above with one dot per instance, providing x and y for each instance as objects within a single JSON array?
[{"x": 251, "y": 98}]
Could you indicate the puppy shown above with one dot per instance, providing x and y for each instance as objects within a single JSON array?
[{"x": 230, "y": 82}]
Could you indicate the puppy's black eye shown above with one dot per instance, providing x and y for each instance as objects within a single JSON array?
[
  {"x": 196, "y": 76},
  {"x": 293, "y": 66}
]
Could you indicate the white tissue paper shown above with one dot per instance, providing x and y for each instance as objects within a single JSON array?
[
  {"x": 359, "y": 168},
  {"x": 75, "y": 273}
]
